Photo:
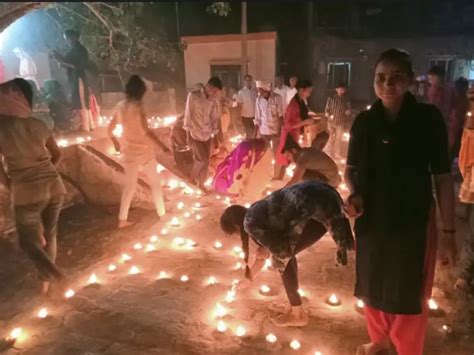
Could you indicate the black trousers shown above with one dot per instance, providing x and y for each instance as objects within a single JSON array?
[{"x": 313, "y": 232}]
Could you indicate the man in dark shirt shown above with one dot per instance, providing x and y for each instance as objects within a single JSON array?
[{"x": 338, "y": 110}]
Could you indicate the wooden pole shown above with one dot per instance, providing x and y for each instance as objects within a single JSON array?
[{"x": 244, "y": 56}]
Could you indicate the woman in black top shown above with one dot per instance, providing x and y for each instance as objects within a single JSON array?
[
  {"x": 285, "y": 223},
  {"x": 395, "y": 149}
]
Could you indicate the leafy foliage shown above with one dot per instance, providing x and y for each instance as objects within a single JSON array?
[{"x": 220, "y": 8}]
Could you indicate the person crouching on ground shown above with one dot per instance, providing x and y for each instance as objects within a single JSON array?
[
  {"x": 138, "y": 144},
  {"x": 312, "y": 163},
  {"x": 31, "y": 156},
  {"x": 282, "y": 225}
]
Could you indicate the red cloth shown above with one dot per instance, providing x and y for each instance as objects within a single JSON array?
[
  {"x": 292, "y": 117},
  {"x": 407, "y": 332}
]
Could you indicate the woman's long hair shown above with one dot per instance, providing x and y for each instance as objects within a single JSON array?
[{"x": 232, "y": 221}]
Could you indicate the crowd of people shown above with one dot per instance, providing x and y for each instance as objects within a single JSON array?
[{"x": 400, "y": 151}]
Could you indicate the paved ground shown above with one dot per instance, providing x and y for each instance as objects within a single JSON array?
[{"x": 140, "y": 314}]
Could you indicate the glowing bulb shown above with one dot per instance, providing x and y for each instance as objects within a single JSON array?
[
  {"x": 112, "y": 267},
  {"x": 220, "y": 311},
  {"x": 240, "y": 331},
  {"x": 368, "y": 107},
  {"x": 221, "y": 326},
  {"x": 134, "y": 270},
  {"x": 184, "y": 278},
  {"x": 42, "y": 313},
  {"x": 138, "y": 246},
  {"x": 93, "y": 279},
  {"x": 15, "y": 333},
  {"x": 164, "y": 231},
  {"x": 271, "y": 338},
  {"x": 432, "y": 304},
  {"x": 69, "y": 293},
  {"x": 198, "y": 217},
  {"x": 333, "y": 300},
  {"x": 180, "y": 205},
  {"x": 163, "y": 275},
  {"x": 360, "y": 304},
  {"x": 149, "y": 248},
  {"x": 153, "y": 238},
  {"x": 175, "y": 222},
  {"x": 295, "y": 345},
  {"x": 217, "y": 244},
  {"x": 126, "y": 257},
  {"x": 211, "y": 280},
  {"x": 264, "y": 289}
]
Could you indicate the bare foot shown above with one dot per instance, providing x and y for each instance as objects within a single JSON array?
[
  {"x": 124, "y": 224},
  {"x": 373, "y": 349},
  {"x": 291, "y": 319}
]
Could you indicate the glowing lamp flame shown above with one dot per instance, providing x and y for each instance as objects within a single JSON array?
[
  {"x": 333, "y": 300},
  {"x": 69, "y": 293},
  {"x": 112, "y": 267},
  {"x": 301, "y": 292},
  {"x": 368, "y": 107},
  {"x": 264, "y": 289},
  {"x": 318, "y": 353},
  {"x": 187, "y": 215},
  {"x": 346, "y": 136},
  {"x": 118, "y": 130},
  {"x": 164, "y": 231},
  {"x": 217, "y": 244},
  {"x": 242, "y": 255},
  {"x": 137, "y": 246},
  {"x": 240, "y": 331},
  {"x": 93, "y": 279},
  {"x": 198, "y": 217},
  {"x": 221, "y": 326},
  {"x": 268, "y": 264},
  {"x": 208, "y": 182},
  {"x": 80, "y": 140},
  {"x": 15, "y": 333},
  {"x": 175, "y": 222},
  {"x": 63, "y": 143},
  {"x": 125, "y": 257},
  {"x": 42, "y": 313},
  {"x": 211, "y": 280},
  {"x": 218, "y": 197},
  {"x": 172, "y": 184},
  {"x": 134, "y": 270},
  {"x": 169, "y": 120},
  {"x": 188, "y": 191},
  {"x": 237, "y": 249},
  {"x": 180, "y": 205},
  {"x": 178, "y": 241},
  {"x": 247, "y": 205},
  {"x": 432, "y": 305},
  {"x": 184, "y": 278},
  {"x": 469, "y": 113},
  {"x": 220, "y": 311},
  {"x": 163, "y": 275},
  {"x": 271, "y": 338},
  {"x": 159, "y": 168},
  {"x": 295, "y": 344},
  {"x": 360, "y": 304},
  {"x": 230, "y": 296},
  {"x": 238, "y": 266},
  {"x": 149, "y": 248},
  {"x": 153, "y": 238}
]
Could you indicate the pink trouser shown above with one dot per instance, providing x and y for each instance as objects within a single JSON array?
[{"x": 407, "y": 332}]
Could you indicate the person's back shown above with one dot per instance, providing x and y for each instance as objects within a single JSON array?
[
  {"x": 33, "y": 175},
  {"x": 319, "y": 166}
]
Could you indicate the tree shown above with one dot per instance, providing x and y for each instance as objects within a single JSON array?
[{"x": 220, "y": 8}]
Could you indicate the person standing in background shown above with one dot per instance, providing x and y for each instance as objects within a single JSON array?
[
  {"x": 282, "y": 90},
  {"x": 269, "y": 118},
  {"x": 201, "y": 120},
  {"x": 292, "y": 90},
  {"x": 27, "y": 69},
  {"x": 76, "y": 62},
  {"x": 439, "y": 92},
  {"x": 458, "y": 116},
  {"x": 246, "y": 97},
  {"x": 338, "y": 112}
]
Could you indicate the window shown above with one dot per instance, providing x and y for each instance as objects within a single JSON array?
[
  {"x": 229, "y": 75},
  {"x": 338, "y": 72},
  {"x": 447, "y": 64}
]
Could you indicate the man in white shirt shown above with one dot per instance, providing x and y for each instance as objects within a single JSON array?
[
  {"x": 201, "y": 121},
  {"x": 269, "y": 117},
  {"x": 282, "y": 90},
  {"x": 292, "y": 90},
  {"x": 246, "y": 99}
]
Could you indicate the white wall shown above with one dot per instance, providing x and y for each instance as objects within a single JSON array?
[{"x": 198, "y": 58}]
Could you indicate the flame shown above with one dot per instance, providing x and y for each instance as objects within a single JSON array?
[
  {"x": 153, "y": 238},
  {"x": 93, "y": 279},
  {"x": 240, "y": 331},
  {"x": 63, "y": 143},
  {"x": 211, "y": 280},
  {"x": 360, "y": 304},
  {"x": 184, "y": 278},
  {"x": 230, "y": 296},
  {"x": 134, "y": 270},
  {"x": 221, "y": 326},
  {"x": 159, "y": 168},
  {"x": 301, "y": 292},
  {"x": 163, "y": 275},
  {"x": 112, "y": 267},
  {"x": 42, "y": 313},
  {"x": 178, "y": 241},
  {"x": 15, "y": 333},
  {"x": 295, "y": 344},
  {"x": 149, "y": 248},
  {"x": 118, "y": 130},
  {"x": 138, "y": 246},
  {"x": 198, "y": 217},
  {"x": 69, "y": 293},
  {"x": 264, "y": 289},
  {"x": 180, "y": 205},
  {"x": 271, "y": 338},
  {"x": 220, "y": 311},
  {"x": 164, "y": 231},
  {"x": 125, "y": 257},
  {"x": 217, "y": 244},
  {"x": 175, "y": 222},
  {"x": 432, "y": 304}
]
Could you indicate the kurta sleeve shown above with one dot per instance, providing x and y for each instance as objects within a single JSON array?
[{"x": 187, "y": 122}]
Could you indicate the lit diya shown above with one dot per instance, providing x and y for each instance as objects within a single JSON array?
[
  {"x": 434, "y": 309},
  {"x": 333, "y": 301}
]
